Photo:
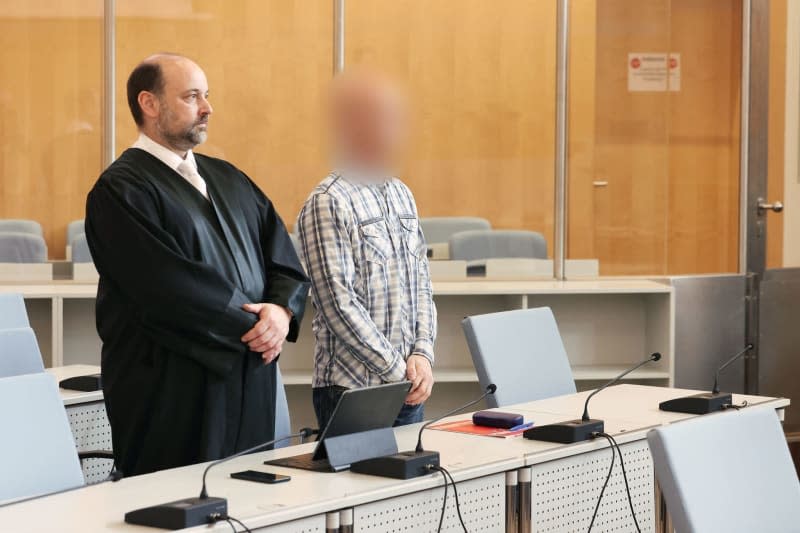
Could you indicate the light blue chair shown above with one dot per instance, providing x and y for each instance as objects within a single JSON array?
[
  {"x": 30, "y": 227},
  {"x": 75, "y": 228},
  {"x": 80, "y": 249},
  {"x": 440, "y": 229},
  {"x": 12, "y": 311},
  {"x": 37, "y": 451},
  {"x": 283, "y": 421},
  {"x": 729, "y": 472},
  {"x": 497, "y": 244},
  {"x": 19, "y": 353},
  {"x": 521, "y": 352},
  {"x": 22, "y": 248}
]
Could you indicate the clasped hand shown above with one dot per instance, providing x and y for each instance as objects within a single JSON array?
[{"x": 269, "y": 333}]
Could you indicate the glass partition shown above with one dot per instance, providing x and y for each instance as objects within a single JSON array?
[
  {"x": 481, "y": 80},
  {"x": 654, "y": 135},
  {"x": 50, "y": 101},
  {"x": 268, "y": 63}
]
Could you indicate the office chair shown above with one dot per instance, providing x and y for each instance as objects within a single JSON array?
[
  {"x": 12, "y": 311},
  {"x": 521, "y": 352},
  {"x": 19, "y": 353},
  {"x": 37, "y": 452},
  {"x": 729, "y": 472},
  {"x": 440, "y": 229},
  {"x": 22, "y": 248},
  {"x": 29, "y": 227},
  {"x": 80, "y": 249},
  {"x": 497, "y": 244},
  {"x": 283, "y": 421}
]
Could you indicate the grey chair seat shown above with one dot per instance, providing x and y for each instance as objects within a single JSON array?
[
  {"x": 75, "y": 228},
  {"x": 37, "y": 451},
  {"x": 729, "y": 472},
  {"x": 19, "y": 352},
  {"x": 22, "y": 248},
  {"x": 440, "y": 229},
  {"x": 12, "y": 311},
  {"x": 30, "y": 227},
  {"x": 283, "y": 422},
  {"x": 80, "y": 249},
  {"x": 496, "y": 244},
  {"x": 521, "y": 352}
]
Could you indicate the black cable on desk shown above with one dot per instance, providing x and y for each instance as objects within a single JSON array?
[
  {"x": 627, "y": 488},
  {"x": 608, "y": 477},
  {"x": 230, "y": 520}
]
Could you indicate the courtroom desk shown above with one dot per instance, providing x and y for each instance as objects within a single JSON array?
[
  {"x": 86, "y": 412},
  {"x": 561, "y": 482}
]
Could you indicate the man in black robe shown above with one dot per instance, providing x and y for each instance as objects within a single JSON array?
[{"x": 199, "y": 285}]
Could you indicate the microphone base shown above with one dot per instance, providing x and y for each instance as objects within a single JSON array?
[
  {"x": 566, "y": 432},
  {"x": 179, "y": 514},
  {"x": 403, "y": 465},
  {"x": 698, "y": 404}
]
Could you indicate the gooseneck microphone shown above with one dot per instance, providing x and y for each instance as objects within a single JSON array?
[
  {"x": 654, "y": 357},
  {"x": 705, "y": 402},
  {"x": 205, "y": 509},
  {"x": 585, "y": 427},
  {"x": 407, "y": 465}
]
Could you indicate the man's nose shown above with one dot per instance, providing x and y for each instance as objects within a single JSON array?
[{"x": 205, "y": 107}]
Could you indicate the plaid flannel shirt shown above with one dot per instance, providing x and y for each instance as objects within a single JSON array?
[{"x": 364, "y": 251}]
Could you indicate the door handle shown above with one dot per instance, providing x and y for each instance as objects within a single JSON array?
[
  {"x": 600, "y": 183},
  {"x": 775, "y": 207}
]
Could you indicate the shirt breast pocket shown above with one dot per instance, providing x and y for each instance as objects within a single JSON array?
[
  {"x": 411, "y": 236},
  {"x": 377, "y": 244}
]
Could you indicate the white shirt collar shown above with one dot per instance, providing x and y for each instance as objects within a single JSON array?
[{"x": 162, "y": 153}]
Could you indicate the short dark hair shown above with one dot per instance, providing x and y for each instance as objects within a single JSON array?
[{"x": 147, "y": 76}]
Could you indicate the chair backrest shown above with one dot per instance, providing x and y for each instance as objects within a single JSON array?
[
  {"x": 729, "y": 472},
  {"x": 19, "y": 353},
  {"x": 440, "y": 229},
  {"x": 283, "y": 422},
  {"x": 496, "y": 244},
  {"x": 22, "y": 248},
  {"x": 521, "y": 352},
  {"x": 37, "y": 451},
  {"x": 80, "y": 249},
  {"x": 31, "y": 227},
  {"x": 75, "y": 228},
  {"x": 12, "y": 311}
]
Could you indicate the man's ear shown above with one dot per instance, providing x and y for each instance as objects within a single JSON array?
[{"x": 149, "y": 104}]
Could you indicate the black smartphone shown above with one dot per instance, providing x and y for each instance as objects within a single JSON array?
[{"x": 260, "y": 477}]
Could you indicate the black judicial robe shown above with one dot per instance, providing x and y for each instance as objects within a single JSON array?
[{"x": 175, "y": 269}]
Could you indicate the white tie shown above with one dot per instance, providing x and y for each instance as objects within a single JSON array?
[{"x": 191, "y": 175}]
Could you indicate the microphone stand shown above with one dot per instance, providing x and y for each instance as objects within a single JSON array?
[
  {"x": 408, "y": 465},
  {"x": 583, "y": 428}
]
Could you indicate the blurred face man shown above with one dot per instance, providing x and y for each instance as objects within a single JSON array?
[
  {"x": 369, "y": 121},
  {"x": 176, "y": 113}
]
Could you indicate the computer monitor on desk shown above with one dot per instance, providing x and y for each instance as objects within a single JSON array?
[{"x": 360, "y": 428}]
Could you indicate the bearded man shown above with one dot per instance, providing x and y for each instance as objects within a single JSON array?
[{"x": 199, "y": 284}]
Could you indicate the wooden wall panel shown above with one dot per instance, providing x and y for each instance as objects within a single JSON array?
[
  {"x": 268, "y": 62},
  {"x": 50, "y": 139},
  {"x": 481, "y": 79},
  {"x": 777, "y": 118}
]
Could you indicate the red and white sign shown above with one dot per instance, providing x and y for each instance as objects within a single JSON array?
[{"x": 654, "y": 72}]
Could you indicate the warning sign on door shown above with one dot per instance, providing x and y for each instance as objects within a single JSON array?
[{"x": 654, "y": 72}]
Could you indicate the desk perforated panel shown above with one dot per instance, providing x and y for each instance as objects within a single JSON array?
[
  {"x": 565, "y": 492},
  {"x": 482, "y": 506},
  {"x": 91, "y": 431}
]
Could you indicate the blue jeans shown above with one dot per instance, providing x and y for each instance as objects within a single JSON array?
[{"x": 326, "y": 398}]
